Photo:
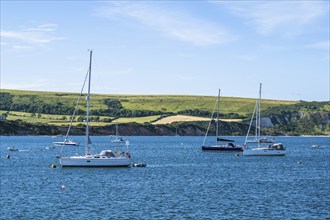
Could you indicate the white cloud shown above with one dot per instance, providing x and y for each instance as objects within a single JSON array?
[
  {"x": 43, "y": 28},
  {"x": 320, "y": 45},
  {"x": 30, "y": 37},
  {"x": 287, "y": 18},
  {"x": 21, "y": 47},
  {"x": 26, "y": 84},
  {"x": 176, "y": 24}
]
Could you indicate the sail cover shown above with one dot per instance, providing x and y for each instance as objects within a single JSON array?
[{"x": 221, "y": 139}]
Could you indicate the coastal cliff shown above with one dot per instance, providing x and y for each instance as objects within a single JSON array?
[
  {"x": 128, "y": 129},
  {"x": 291, "y": 124}
]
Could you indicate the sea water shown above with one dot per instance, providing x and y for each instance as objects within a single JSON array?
[{"x": 179, "y": 182}]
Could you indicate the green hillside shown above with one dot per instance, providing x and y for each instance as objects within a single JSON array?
[
  {"x": 55, "y": 110},
  {"x": 31, "y": 101}
]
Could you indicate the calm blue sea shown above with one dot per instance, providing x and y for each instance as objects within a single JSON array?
[{"x": 179, "y": 182}]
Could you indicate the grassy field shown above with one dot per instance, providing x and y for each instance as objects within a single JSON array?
[
  {"x": 139, "y": 120},
  {"x": 182, "y": 118},
  {"x": 164, "y": 103},
  {"x": 43, "y": 118},
  {"x": 65, "y": 119}
]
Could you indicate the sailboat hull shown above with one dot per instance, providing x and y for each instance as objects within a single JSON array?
[
  {"x": 263, "y": 152},
  {"x": 83, "y": 161},
  {"x": 221, "y": 148}
]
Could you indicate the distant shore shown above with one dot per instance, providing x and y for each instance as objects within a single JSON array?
[{"x": 128, "y": 129}]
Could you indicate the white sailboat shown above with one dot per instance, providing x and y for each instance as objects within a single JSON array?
[
  {"x": 107, "y": 158},
  {"x": 229, "y": 144},
  {"x": 263, "y": 148},
  {"x": 118, "y": 139},
  {"x": 67, "y": 141}
]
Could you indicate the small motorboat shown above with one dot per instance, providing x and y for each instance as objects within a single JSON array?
[
  {"x": 139, "y": 165},
  {"x": 119, "y": 140},
  {"x": 12, "y": 148},
  {"x": 66, "y": 142}
]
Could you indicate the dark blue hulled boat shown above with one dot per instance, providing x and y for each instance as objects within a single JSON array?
[{"x": 229, "y": 145}]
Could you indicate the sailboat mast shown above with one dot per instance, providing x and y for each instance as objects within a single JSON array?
[
  {"x": 87, "y": 141},
  {"x": 217, "y": 129},
  {"x": 258, "y": 119}
]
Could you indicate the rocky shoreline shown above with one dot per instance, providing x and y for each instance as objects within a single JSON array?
[{"x": 20, "y": 128}]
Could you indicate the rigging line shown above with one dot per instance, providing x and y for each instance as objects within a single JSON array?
[
  {"x": 98, "y": 73},
  {"x": 208, "y": 127},
  {"x": 217, "y": 131},
  {"x": 74, "y": 112},
  {"x": 254, "y": 111},
  {"x": 100, "y": 81},
  {"x": 259, "y": 115}
]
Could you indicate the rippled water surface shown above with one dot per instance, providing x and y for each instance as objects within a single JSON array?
[{"x": 179, "y": 182}]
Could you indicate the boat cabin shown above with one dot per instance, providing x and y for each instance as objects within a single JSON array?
[
  {"x": 278, "y": 146},
  {"x": 107, "y": 153}
]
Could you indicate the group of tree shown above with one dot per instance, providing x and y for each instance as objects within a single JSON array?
[
  {"x": 115, "y": 109},
  {"x": 202, "y": 113},
  {"x": 34, "y": 104}
]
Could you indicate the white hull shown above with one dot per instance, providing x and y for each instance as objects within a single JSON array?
[
  {"x": 118, "y": 141},
  {"x": 83, "y": 161},
  {"x": 65, "y": 143},
  {"x": 263, "y": 152}
]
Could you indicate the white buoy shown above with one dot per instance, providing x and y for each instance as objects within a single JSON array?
[{"x": 62, "y": 187}]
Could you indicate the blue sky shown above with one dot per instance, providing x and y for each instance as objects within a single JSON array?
[{"x": 168, "y": 47}]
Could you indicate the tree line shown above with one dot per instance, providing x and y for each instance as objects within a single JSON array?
[
  {"x": 33, "y": 104},
  {"x": 202, "y": 113}
]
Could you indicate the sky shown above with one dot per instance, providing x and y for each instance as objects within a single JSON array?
[{"x": 169, "y": 47}]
